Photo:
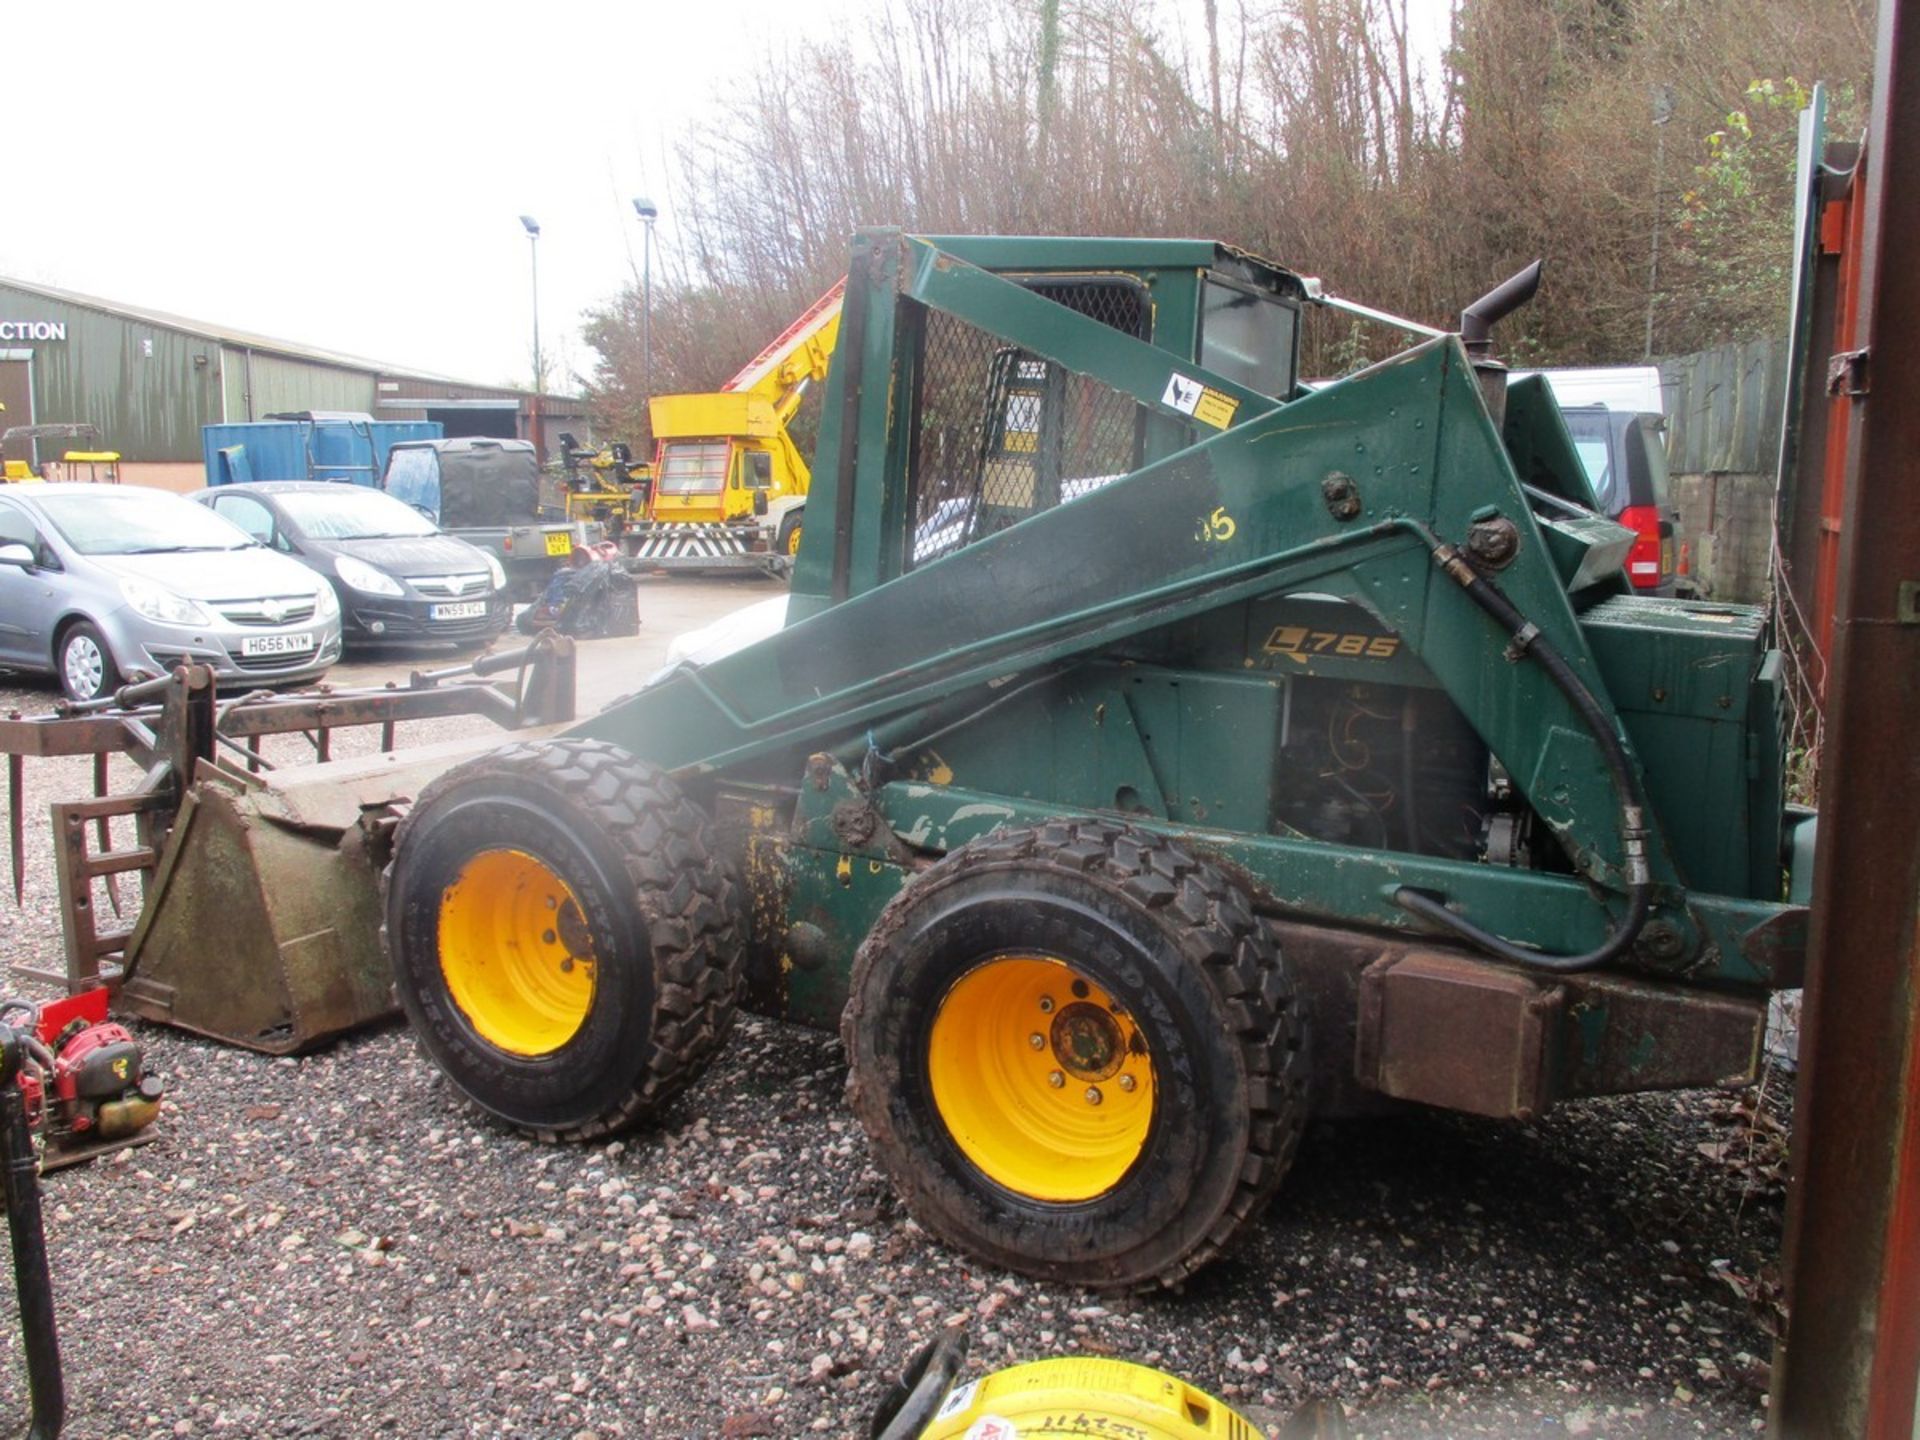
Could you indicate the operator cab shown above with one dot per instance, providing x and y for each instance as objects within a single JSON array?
[{"x": 1038, "y": 434}]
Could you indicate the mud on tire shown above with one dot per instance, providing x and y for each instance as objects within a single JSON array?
[
  {"x": 1168, "y": 945},
  {"x": 659, "y": 912}
]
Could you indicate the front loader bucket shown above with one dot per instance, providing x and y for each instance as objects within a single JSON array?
[
  {"x": 258, "y": 932},
  {"x": 260, "y": 914}
]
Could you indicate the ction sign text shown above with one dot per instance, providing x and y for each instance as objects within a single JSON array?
[{"x": 33, "y": 329}]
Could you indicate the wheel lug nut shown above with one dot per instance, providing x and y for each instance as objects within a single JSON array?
[
  {"x": 1037, "y": 1040},
  {"x": 1094, "y": 1096},
  {"x": 1046, "y": 1004},
  {"x": 566, "y": 965},
  {"x": 1056, "y": 1079},
  {"x": 1126, "y": 1083},
  {"x": 548, "y": 936}
]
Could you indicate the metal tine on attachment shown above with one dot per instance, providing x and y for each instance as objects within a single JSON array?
[
  {"x": 16, "y": 822},
  {"x": 103, "y": 828}
]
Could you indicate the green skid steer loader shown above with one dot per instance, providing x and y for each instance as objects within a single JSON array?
[{"x": 1157, "y": 752}]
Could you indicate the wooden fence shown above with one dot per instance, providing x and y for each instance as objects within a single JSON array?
[{"x": 1724, "y": 412}]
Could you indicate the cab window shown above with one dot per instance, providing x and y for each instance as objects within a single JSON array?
[
  {"x": 413, "y": 478},
  {"x": 1248, "y": 337},
  {"x": 693, "y": 467},
  {"x": 1592, "y": 432}
]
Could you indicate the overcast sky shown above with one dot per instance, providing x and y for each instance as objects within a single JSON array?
[{"x": 349, "y": 175}]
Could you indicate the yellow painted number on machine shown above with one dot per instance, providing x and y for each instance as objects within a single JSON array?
[
  {"x": 1217, "y": 526},
  {"x": 1298, "y": 642}
]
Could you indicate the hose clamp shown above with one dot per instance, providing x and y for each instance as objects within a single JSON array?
[
  {"x": 1633, "y": 841},
  {"x": 1455, "y": 564}
]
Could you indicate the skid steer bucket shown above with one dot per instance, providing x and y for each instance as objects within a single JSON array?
[
  {"x": 256, "y": 933},
  {"x": 259, "y": 914}
]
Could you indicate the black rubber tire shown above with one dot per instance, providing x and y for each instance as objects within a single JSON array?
[
  {"x": 666, "y": 916},
  {"x": 1177, "y": 943},
  {"x": 793, "y": 520},
  {"x": 109, "y": 672}
]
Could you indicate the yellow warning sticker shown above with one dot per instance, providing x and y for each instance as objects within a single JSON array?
[
  {"x": 1215, "y": 409},
  {"x": 1190, "y": 397}
]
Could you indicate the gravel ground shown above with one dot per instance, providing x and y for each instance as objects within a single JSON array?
[{"x": 336, "y": 1246}]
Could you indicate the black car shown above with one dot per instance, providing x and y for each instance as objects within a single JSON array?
[
  {"x": 400, "y": 580},
  {"x": 1626, "y": 461}
]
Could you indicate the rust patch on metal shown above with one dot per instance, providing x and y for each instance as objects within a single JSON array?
[{"x": 1447, "y": 1030}]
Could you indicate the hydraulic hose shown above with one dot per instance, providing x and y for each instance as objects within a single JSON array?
[
  {"x": 1525, "y": 639},
  {"x": 1409, "y": 809}
]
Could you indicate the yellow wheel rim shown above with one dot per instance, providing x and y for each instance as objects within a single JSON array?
[
  {"x": 1042, "y": 1080},
  {"x": 793, "y": 541},
  {"x": 515, "y": 952}
]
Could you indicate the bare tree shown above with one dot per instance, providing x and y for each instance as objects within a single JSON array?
[{"x": 1317, "y": 131}]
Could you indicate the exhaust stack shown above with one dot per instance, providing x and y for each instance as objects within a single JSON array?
[{"x": 1476, "y": 333}]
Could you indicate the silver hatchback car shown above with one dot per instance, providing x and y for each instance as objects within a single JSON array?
[{"x": 102, "y": 584}]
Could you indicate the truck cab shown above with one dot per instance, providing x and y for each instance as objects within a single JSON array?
[
  {"x": 723, "y": 458},
  {"x": 729, "y": 483}
]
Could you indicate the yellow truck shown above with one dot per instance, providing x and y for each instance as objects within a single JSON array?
[{"x": 729, "y": 485}]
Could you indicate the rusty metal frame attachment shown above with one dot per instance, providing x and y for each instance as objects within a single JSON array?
[{"x": 191, "y": 744}]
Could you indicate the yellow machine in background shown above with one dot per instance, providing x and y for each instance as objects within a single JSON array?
[
  {"x": 101, "y": 467},
  {"x": 729, "y": 484},
  {"x": 89, "y": 464},
  {"x": 604, "y": 485}
]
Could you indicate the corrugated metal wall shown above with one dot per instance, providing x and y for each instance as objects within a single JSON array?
[
  {"x": 279, "y": 384},
  {"x": 150, "y": 388},
  {"x": 139, "y": 383}
]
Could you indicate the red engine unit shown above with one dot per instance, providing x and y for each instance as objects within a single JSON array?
[{"x": 95, "y": 1095}]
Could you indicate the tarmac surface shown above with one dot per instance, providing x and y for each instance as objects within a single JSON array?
[{"x": 337, "y": 1246}]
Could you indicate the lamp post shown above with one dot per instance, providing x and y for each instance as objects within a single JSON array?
[
  {"x": 533, "y": 246},
  {"x": 1662, "y": 113},
  {"x": 648, "y": 213}
]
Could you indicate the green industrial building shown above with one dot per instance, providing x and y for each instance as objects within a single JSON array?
[{"x": 148, "y": 381}]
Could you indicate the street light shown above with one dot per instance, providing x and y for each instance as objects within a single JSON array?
[
  {"x": 1662, "y": 113},
  {"x": 648, "y": 213},
  {"x": 533, "y": 245}
]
